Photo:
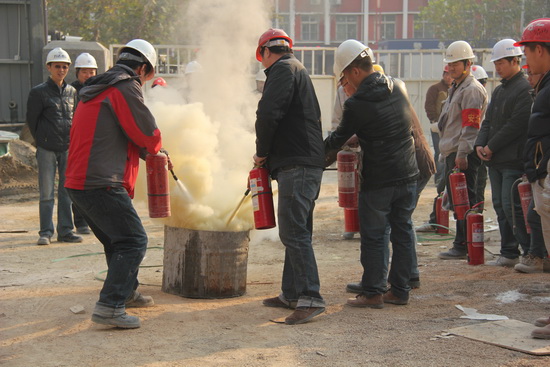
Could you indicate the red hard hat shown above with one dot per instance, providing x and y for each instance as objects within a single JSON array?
[
  {"x": 269, "y": 35},
  {"x": 536, "y": 31},
  {"x": 159, "y": 81}
]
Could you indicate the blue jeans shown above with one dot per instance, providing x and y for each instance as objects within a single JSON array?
[
  {"x": 440, "y": 167},
  {"x": 501, "y": 186},
  {"x": 298, "y": 189},
  {"x": 48, "y": 162},
  {"x": 114, "y": 221},
  {"x": 392, "y": 205}
]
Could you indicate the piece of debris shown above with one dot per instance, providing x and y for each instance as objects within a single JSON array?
[
  {"x": 321, "y": 354},
  {"x": 471, "y": 313},
  {"x": 78, "y": 309}
]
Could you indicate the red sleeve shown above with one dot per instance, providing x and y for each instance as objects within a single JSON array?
[{"x": 471, "y": 117}]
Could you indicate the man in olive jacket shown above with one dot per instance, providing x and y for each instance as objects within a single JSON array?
[{"x": 500, "y": 145}]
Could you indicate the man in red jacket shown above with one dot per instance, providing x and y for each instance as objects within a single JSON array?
[{"x": 112, "y": 128}]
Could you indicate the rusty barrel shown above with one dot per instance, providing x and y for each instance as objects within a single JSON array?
[{"x": 204, "y": 264}]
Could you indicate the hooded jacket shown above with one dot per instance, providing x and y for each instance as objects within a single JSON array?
[
  {"x": 110, "y": 126},
  {"x": 288, "y": 119},
  {"x": 504, "y": 129},
  {"x": 380, "y": 114},
  {"x": 49, "y": 114},
  {"x": 537, "y": 147}
]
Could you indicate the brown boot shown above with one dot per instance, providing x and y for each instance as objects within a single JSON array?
[
  {"x": 390, "y": 298},
  {"x": 542, "y": 321},
  {"x": 541, "y": 332},
  {"x": 303, "y": 315},
  {"x": 362, "y": 300}
]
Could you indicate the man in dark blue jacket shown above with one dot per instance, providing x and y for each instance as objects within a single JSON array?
[
  {"x": 379, "y": 113},
  {"x": 500, "y": 144},
  {"x": 289, "y": 142},
  {"x": 50, "y": 108}
]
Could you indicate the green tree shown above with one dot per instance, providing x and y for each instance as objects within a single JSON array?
[
  {"x": 110, "y": 22},
  {"x": 482, "y": 22}
]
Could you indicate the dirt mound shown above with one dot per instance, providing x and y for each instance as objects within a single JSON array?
[{"x": 18, "y": 170}]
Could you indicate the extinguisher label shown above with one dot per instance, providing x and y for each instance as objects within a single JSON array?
[
  {"x": 346, "y": 180},
  {"x": 254, "y": 190},
  {"x": 477, "y": 232}
]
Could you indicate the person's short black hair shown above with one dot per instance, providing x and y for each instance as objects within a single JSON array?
[
  {"x": 134, "y": 64},
  {"x": 532, "y": 45},
  {"x": 483, "y": 81},
  {"x": 280, "y": 50},
  {"x": 511, "y": 58},
  {"x": 363, "y": 63}
]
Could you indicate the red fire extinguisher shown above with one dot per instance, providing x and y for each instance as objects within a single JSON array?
[
  {"x": 262, "y": 198},
  {"x": 525, "y": 195},
  {"x": 348, "y": 193},
  {"x": 442, "y": 216},
  {"x": 351, "y": 220},
  {"x": 474, "y": 237},
  {"x": 459, "y": 193},
  {"x": 158, "y": 190}
]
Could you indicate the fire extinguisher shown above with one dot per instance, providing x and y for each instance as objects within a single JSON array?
[
  {"x": 442, "y": 216},
  {"x": 348, "y": 193},
  {"x": 351, "y": 220},
  {"x": 262, "y": 198},
  {"x": 525, "y": 195},
  {"x": 158, "y": 190},
  {"x": 459, "y": 193},
  {"x": 474, "y": 237}
]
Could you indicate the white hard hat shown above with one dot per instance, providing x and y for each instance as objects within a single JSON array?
[
  {"x": 85, "y": 60},
  {"x": 479, "y": 72},
  {"x": 58, "y": 55},
  {"x": 505, "y": 48},
  {"x": 260, "y": 75},
  {"x": 458, "y": 50},
  {"x": 143, "y": 47},
  {"x": 192, "y": 67},
  {"x": 347, "y": 52}
]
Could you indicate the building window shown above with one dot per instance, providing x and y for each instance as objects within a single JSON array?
[
  {"x": 346, "y": 27},
  {"x": 282, "y": 22},
  {"x": 422, "y": 29},
  {"x": 387, "y": 27},
  {"x": 310, "y": 28}
]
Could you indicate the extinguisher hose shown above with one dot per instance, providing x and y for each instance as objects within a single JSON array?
[
  {"x": 513, "y": 190},
  {"x": 238, "y": 206}
]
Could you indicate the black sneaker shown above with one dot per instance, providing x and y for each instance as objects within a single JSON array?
[
  {"x": 453, "y": 254},
  {"x": 71, "y": 237},
  {"x": 83, "y": 230}
]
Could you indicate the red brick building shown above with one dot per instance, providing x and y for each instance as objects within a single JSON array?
[{"x": 385, "y": 24}]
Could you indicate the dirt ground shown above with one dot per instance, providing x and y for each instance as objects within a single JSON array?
[{"x": 37, "y": 327}]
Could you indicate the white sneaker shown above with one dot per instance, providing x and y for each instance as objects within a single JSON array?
[
  {"x": 504, "y": 261},
  {"x": 43, "y": 240}
]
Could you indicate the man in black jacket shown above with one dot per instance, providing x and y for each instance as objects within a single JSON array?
[
  {"x": 536, "y": 39},
  {"x": 289, "y": 142},
  {"x": 380, "y": 114},
  {"x": 500, "y": 145},
  {"x": 50, "y": 108}
]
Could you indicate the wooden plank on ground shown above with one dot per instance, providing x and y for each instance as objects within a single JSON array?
[{"x": 511, "y": 334}]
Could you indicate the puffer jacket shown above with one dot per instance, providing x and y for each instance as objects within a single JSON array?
[
  {"x": 504, "y": 129},
  {"x": 110, "y": 128},
  {"x": 537, "y": 148},
  {"x": 288, "y": 119},
  {"x": 50, "y": 113},
  {"x": 380, "y": 114}
]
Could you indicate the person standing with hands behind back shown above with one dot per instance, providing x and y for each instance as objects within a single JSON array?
[
  {"x": 289, "y": 142},
  {"x": 50, "y": 110},
  {"x": 112, "y": 129}
]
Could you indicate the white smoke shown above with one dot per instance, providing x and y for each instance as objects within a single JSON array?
[{"x": 211, "y": 141}]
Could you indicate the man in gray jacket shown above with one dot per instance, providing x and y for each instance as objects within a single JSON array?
[{"x": 500, "y": 145}]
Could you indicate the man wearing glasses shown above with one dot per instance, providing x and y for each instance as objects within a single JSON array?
[{"x": 50, "y": 108}]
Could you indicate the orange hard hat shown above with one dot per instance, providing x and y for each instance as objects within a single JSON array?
[
  {"x": 536, "y": 31},
  {"x": 159, "y": 81},
  {"x": 272, "y": 34}
]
